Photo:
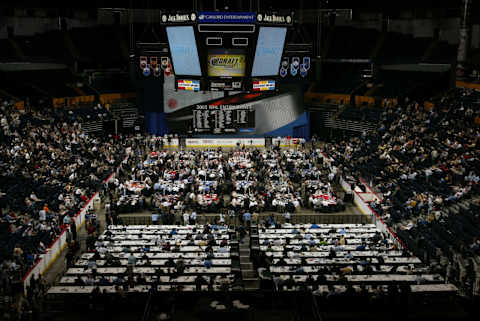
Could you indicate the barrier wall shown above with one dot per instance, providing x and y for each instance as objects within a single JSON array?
[
  {"x": 72, "y": 101},
  {"x": 59, "y": 244},
  {"x": 224, "y": 142},
  {"x": 464, "y": 84},
  {"x": 109, "y": 98},
  {"x": 362, "y": 201},
  {"x": 360, "y": 100},
  {"x": 174, "y": 142},
  {"x": 328, "y": 98}
]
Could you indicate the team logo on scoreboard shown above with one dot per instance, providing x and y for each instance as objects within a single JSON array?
[
  {"x": 293, "y": 70},
  {"x": 294, "y": 66},
  {"x": 146, "y": 70},
  {"x": 143, "y": 62},
  {"x": 284, "y": 66},
  {"x": 303, "y": 70},
  {"x": 306, "y": 63},
  {"x": 165, "y": 62},
  {"x": 168, "y": 70},
  {"x": 153, "y": 62},
  {"x": 295, "y": 62}
]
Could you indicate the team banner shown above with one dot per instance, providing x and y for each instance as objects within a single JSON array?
[
  {"x": 226, "y": 65},
  {"x": 226, "y": 17}
]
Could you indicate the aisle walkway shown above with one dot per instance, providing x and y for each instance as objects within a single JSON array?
[{"x": 57, "y": 269}]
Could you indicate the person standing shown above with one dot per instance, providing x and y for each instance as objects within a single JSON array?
[
  {"x": 247, "y": 218},
  {"x": 186, "y": 218},
  {"x": 193, "y": 218},
  {"x": 242, "y": 233},
  {"x": 287, "y": 217}
]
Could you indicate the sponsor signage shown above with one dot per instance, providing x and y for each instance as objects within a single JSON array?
[
  {"x": 226, "y": 17},
  {"x": 191, "y": 85},
  {"x": 275, "y": 18},
  {"x": 263, "y": 85},
  {"x": 178, "y": 17},
  {"x": 225, "y": 85}
]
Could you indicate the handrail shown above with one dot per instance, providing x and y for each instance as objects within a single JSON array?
[{"x": 148, "y": 307}]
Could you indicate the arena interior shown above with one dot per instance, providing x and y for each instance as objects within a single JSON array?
[{"x": 242, "y": 160}]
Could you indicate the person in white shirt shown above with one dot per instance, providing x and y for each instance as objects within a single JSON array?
[
  {"x": 186, "y": 218},
  {"x": 42, "y": 215}
]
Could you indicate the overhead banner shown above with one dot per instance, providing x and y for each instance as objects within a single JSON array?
[{"x": 226, "y": 17}]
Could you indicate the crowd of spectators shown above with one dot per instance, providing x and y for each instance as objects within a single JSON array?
[
  {"x": 425, "y": 164},
  {"x": 49, "y": 170},
  {"x": 179, "y": 184}
]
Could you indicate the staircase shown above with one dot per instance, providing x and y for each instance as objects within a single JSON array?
[
  {"x": 328, "y": 115},
  {"x": 126, "y": 112},
  {"x": 92, "y": 126},
  {"x": 250, "y": 280}
]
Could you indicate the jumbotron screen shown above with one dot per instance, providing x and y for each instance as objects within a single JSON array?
[
  {"x": 226, "y": 63},
  {"x": 226, "y": 51}
]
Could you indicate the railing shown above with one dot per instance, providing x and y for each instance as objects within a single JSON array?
[
  {"x": 297, "y": 218},
  {"x": 362, "y": 200},
  {"x": 54, "y": 250}
]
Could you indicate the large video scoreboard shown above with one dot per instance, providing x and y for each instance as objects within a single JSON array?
[
  {"x": 226, "y": 51},
  {"x": 223, "y": 119}
]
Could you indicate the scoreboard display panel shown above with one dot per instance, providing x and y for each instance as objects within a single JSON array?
[
  {"x": 226, "y": 63},
  {"x": 223, "y": 119},
  {"x": 224, "y": 50},
  {"x": 232, "y": 114}
]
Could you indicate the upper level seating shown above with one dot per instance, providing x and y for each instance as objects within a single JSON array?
[
  {"x": 371, "y": 115},
  {"x": 195, "y": 257},
  {"x": 348, "y": 42},
  {"x": 6, "y": 50},
  {"x": 98, "y": 45},
  {"x": 45, "y": 83}
]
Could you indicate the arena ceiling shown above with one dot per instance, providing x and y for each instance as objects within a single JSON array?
[{"x": 238, "y": 4}]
